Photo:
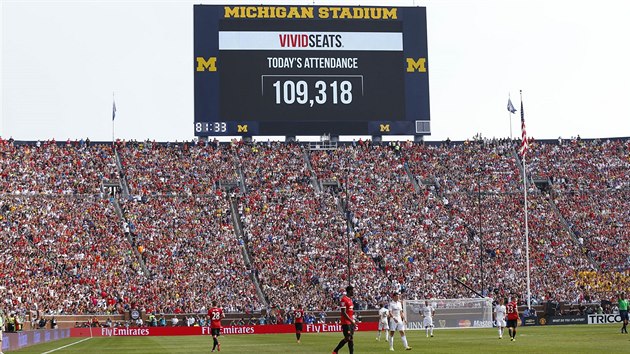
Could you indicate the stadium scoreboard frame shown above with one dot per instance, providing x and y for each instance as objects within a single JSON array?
[{"x": 310, "y": 70}]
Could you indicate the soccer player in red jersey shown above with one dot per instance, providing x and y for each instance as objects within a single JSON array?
[
  {"x": 298, "y": 315},
  {"x": 215, "y": 314},
  {"x": 347, "y": 321},
  {"x": 512, "y": 317}
]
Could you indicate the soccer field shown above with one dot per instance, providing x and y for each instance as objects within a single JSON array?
[{"x": 552, "y": 339}]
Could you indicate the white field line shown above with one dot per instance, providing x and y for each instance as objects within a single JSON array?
[{"x": 67, "y": 345}]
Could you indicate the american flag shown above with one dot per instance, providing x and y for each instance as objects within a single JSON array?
[
  {"x": 524, "y": 145},
  {"x": 114, "y": 110}
]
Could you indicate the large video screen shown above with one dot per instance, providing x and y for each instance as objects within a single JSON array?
[{"x": 310, "y": 70}]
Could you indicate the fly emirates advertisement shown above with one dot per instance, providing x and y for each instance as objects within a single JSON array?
[{"x": 196, "y": 330}]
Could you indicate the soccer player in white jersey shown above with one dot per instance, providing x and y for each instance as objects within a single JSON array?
[
  {"x": 427, "y": 313},
  {"x": 397, "y": 322},
  {"x": 499, "y": 316},
  {"x": 383, "y": 325}
]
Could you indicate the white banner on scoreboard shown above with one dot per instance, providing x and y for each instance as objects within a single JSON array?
[{"x": 330, "y": 41}]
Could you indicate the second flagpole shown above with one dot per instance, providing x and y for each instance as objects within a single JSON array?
[
  {"x": 510, "y": 116},
  {"x": 523, "y": 153}
]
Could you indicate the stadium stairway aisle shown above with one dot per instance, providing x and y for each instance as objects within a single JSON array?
[{"x": 238, "y": 231}]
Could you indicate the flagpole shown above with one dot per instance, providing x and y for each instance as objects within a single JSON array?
[
  {"x": 529, "y": 294},
  {"x": 510, "y": 116},
  {"x": 113, "y": 118}
]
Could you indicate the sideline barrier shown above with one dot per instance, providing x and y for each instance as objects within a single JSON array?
[
  {"x": 532, "y": 321},
  {"x": 198, "y": 331},
  {"x": 15, "y": 341},
  {"x": 604, "y": 319},
  {"x": 568, "y": 320}
]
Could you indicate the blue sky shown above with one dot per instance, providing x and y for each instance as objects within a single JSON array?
[{"x": 61, "y": 61}]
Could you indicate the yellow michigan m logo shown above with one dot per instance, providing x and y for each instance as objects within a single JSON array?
[
  {"x": 419, "y": 65},
  {"x": 210, "y": 64},
  {"x": 241, "y": 128}
]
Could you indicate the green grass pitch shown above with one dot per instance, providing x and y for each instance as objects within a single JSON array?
[{"x": 551, "y": 339}]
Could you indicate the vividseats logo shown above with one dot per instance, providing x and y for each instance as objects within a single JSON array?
[
  {"x": 312, "y": 40},
  {"x": 304, "y": 40}
]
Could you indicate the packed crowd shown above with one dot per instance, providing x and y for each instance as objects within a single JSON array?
[
  {"x": 62, "y": 255},
  {"x": 51, "y": 168},
  {"x": 463, "y": 167},
  {"x": 603, "y": 285},
  {"x": 600, "y": 222},
  {"x": 386, "y": 217},
  {"x": 590, "y": 184},
  {"x": 482, "y": 181},
  {"x": 152, "y": 168},
  {"x": 554, "y": 256},
  {"x": 578, "y": 165},
  {"x": 192, "y": 255},
  {"x": 296, "y": 235},
  {"x": 417, "y": 218},
  {"x": 423, "y": 240},
  {"x": 181, "y": 226}
]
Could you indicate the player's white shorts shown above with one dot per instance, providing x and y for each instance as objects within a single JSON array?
[
  {"x": 427, "y": 322},
  {"x": 383, "y": 325},
  {"x": 501, "y": 323},
  {"x": 396, "y": 326}
]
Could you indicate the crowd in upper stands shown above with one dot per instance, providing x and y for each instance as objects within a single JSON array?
[
  {"x": 62, "y": 254},
  {"x": 192, "y": 255},
  {"x": 296, "y": 234},
  {"x": 430, "y": 220},
  {"x": 176, "y": 169},
  {"x": 482, "y": 183},
  {"x": 55, "y": 168},
  {"x": 579, "y": 165},
  {"x": 181, "y": 225},
  {"x": 590, "y": 185}
]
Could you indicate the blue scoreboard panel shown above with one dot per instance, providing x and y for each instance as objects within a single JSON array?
[{"x": 310, "y": 70}]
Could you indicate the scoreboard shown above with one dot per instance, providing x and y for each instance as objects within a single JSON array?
[{"x": 310, "y": 70}]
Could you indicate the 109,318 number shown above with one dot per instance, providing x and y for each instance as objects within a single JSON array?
[{"x": 290, "y": 92}]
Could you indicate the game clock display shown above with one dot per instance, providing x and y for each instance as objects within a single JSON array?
[{"x": 309, "y": 70}]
